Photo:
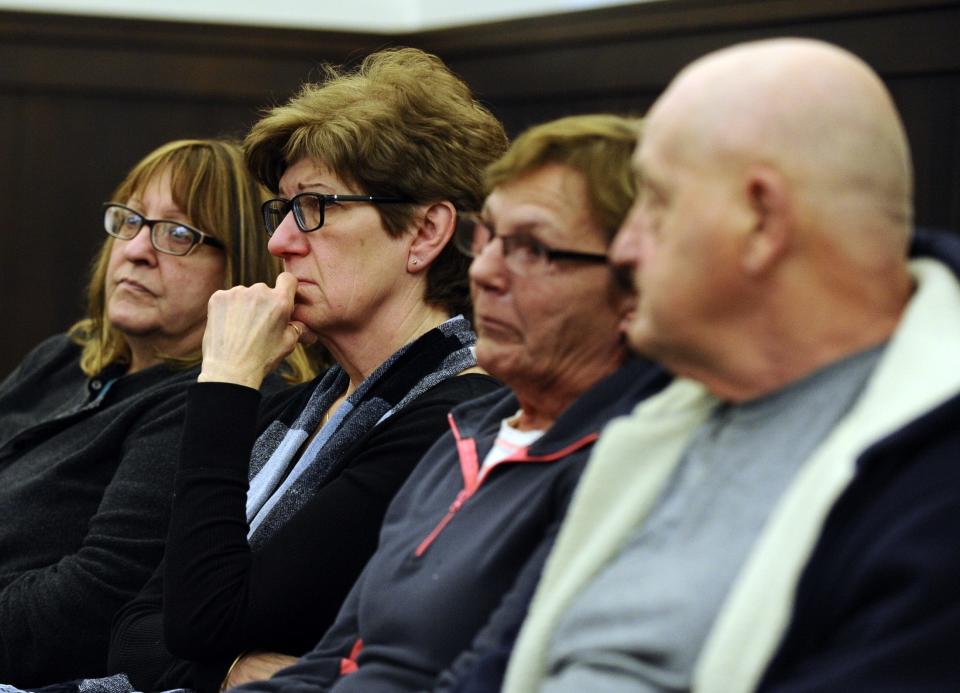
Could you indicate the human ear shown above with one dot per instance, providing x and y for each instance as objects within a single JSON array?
[
  {"x": 769, "y": 236},
  {"x": 434, "y": 230}
]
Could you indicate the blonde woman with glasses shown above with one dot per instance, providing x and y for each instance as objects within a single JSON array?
[{"x": 91, "y": 419}]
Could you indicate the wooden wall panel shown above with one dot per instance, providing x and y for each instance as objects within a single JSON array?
[
  {"x": 81, "y": 99},
  {"x": 540, "y": 68}
]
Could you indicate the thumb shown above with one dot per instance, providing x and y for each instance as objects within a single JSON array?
[{"x": 287, "y": 285}]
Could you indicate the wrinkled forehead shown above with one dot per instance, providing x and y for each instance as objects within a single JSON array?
[
  {"x": 315, "y": 174},
  {"x": 550, "y": 202}
]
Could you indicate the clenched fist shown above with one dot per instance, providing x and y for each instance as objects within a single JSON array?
[{"x": 249, "y": 332}]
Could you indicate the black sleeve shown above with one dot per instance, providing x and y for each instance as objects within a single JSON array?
[
  {"x": 221, "y": 598},
  {"x": 121, "y": 549},
  {"x": 136, "y": 643},
  {"x": 321, "y": 668},
  {"x": 137, "y": 646}
]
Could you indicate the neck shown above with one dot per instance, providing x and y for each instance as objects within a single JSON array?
[
  {"x": 360, "y": 352},
  {"x": 146, "y": 350},
  {"x": 796, "y": 339},
  {"x": 141, "y": 356},
  {"x": 541, "y": 404}
]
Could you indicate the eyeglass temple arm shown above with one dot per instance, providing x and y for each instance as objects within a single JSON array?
[{"x": 572, "y": 255}]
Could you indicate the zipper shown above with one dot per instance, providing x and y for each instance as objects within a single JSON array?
[
  {"x": 472, "y": 478},
  {"x": 453, "y": 510}
]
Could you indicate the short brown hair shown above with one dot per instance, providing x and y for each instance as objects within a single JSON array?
[
  {"x": 210, "y": 183},
  {"x": 598, "y": 146},
  {"x": 400, "y": 124}
]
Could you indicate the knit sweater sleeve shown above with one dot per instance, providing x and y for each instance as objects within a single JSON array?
[
  {"x": 121, "y": 548},
  {"x": 222, "y": 598},
  {"x": 322, "y": 667},
  {"x": 222, "y": 422},
  {"x": 136, "y": 642}
]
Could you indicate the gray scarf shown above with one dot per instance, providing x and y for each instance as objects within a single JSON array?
[{"x": 275, "y": 494}]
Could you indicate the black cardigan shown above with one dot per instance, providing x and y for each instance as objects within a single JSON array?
[
  {"x": 283, "y": 596},
  {"x": 85, "y": 485}
]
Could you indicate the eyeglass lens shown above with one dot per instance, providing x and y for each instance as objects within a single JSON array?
[
  {"x": 166, "y": 236},
  {"x": 308, "y": 210},
  {"x": 520, "y": 252}
]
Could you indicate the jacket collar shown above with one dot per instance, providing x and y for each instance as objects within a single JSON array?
[{"x": 612, "y": 396}]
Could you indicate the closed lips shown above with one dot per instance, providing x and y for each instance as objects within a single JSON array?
[
  {"x": 131, "y": 284},
  {"x": 487, "y": 324}
]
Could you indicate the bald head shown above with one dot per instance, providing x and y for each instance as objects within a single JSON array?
[
  {"x": 770, "y": 234},
  {"x": 816, "y": 113}
]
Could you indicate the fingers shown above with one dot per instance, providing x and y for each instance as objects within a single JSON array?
[
  {"x": 246, "y": 334},
  {"x": 287, "y": 285},
  {"x": 305, "y": 335}
]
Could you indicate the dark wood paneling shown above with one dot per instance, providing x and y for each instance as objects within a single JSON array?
[
  {"x": 621, "y": 58},
  {"x": 81, "y": 99}
]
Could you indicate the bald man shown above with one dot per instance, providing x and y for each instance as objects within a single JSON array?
[{"x": 785, "y": 515}]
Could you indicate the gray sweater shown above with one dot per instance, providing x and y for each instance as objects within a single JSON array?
[{"x": 86, "y": 477}]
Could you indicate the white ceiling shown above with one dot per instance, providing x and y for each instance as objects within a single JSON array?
[{"x": 381, "y": 16}]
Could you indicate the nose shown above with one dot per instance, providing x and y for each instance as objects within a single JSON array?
[
  {"x": 488, "y": 269},
  {"x": 625, "y": 251},
  {"x": 288, "y": 239},
  {"x": 139, "y": 248}
]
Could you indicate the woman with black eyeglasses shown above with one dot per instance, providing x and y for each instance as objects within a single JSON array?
[
  {"x": 279, "y": 500},
  {"x": 90, "y": 420}
]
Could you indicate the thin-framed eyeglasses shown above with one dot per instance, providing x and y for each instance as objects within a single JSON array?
[
  {"x": 166, "y": 236},
  {"x": 309, "y": 208},
  {"x": 522, "y": 253}
]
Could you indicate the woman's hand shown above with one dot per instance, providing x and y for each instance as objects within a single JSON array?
[
  {"x": 249, "y": 332},
  {"x": 255, "y": 666}
]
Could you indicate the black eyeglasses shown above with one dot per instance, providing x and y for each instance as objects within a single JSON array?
[
  {"x": 308, "y": 208},
  {"x": 170, "y": 237},
  {"x": 523, "y": 254}
]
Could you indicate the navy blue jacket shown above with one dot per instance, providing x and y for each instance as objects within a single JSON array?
[
  {"x": 460, "y": 548},
  {"x": 878, "y": 604}
]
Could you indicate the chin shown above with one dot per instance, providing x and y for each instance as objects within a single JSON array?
[
  {"x": 129, "y": 324},
  {"x": 134, "y": 329},
  {"x": 639, "y": 335},
  {"x": 310, "y": 316},
  {"x": 488, "y": 355}
]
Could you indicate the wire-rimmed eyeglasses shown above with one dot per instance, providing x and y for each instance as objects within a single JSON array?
[
  {"x": 522, "y": 253},
  {"x": 309, "y": 208},
  {"x": 166, "y": 236}
]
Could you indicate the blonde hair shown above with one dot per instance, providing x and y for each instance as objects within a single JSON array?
[
  {"x": 401, "y": 124},
  {"x": 599, "y": 146},
  {"x": 210, "y": 183}
]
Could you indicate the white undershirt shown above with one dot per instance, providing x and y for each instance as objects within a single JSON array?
[{"x": 509, "y": 441}]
